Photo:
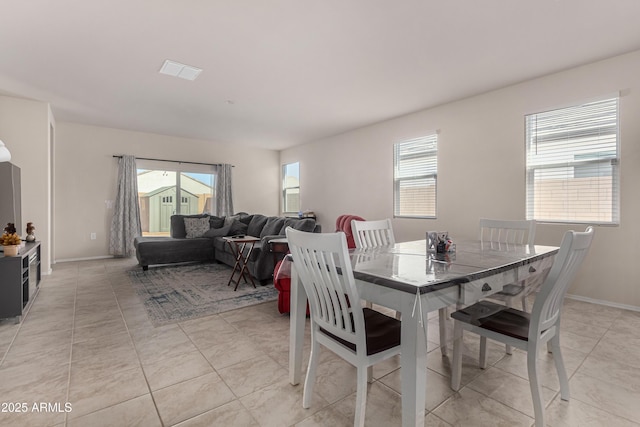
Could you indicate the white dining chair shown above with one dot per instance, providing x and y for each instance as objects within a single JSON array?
[
  {"x": 501, "y": 233},
  {"x": 372, "y": 234},
  {"x": 505, "y": 232},
  {"x": 361, "y": 336},
  {"x": 528, "y": 332},
  {"x": 379, "y": 233}
]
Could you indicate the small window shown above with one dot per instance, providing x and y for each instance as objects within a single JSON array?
[
  {"x": 572, "y": 164},
  {"x": 291, "y": 188},
  {"x": 415, "y": 177}
]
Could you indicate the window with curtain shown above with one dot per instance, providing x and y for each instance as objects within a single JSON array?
[
  {"x": 187, "y": 189},
  {"x": 572, "y": 164},
  {"x": 415, "y": 176},
  {"x": 291, "y": 188}
]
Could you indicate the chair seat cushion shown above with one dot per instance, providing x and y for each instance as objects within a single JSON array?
[
  {"x": 497, "y": 318},
  {"x": 383, "y": 332}
]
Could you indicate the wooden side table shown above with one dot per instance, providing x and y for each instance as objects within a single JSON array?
[
  {"x": 279, "y": 248},
  {"x": 241, "y": 247}
]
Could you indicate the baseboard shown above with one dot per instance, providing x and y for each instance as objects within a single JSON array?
[
  {"x": 83, "y": 259},
  {"x": 603, "y": 302}
]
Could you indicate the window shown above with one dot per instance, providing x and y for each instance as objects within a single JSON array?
[
  {"x": 291, "y": 188},
  {"x": 572, "y": 164},
  {"x": 415, "y": 177},
  {"x": 160, "y": 190}
]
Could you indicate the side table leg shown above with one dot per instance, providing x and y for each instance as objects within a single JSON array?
[
  {"x": 236, "y": 266},
  {"x": 241, "y": 265},
  {"x": 245, "y": 267}
]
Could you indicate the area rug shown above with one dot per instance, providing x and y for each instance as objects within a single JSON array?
[{"x": 174, "y": 294}]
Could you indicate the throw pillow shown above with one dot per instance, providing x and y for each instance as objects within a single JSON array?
[
  {"x": 196, "y": 227},
  {"x": 237, "y": 228},
  {"x": 273, "y": 226},
  {"x": 245, "y": 218},
  {"x": 256, "y": 225},
  {"x": 228, "y": 220},
  {"x": 217, "y": 232},
  {"x": 305, "y": 224},
  {"x": 177, "y": 224},
  {"x": 216, "y": 222}
]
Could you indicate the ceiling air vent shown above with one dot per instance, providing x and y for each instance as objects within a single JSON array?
[{"x": 176, "y": 69}]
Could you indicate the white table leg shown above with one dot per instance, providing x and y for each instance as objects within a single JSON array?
[
  {"x": 413, "y": 359},
  {"x": 298, "y": 311}
]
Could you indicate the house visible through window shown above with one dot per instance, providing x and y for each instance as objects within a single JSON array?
[
  {"x": 572, "y": 164},
  {"x": 291, "y": 188},
  {"x": 415, "y": 177},
  {"x": 159, "y": 190}
]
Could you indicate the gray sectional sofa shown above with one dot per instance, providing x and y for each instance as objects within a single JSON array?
[{"x": 182, "y": 246}]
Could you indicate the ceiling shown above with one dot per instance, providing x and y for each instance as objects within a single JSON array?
[{"x": 283, "y": 72}]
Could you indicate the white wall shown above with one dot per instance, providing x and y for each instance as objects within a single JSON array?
[
  {"x": 481, "y": 162},
  {"x": 24, "y": 128},
  {"x": 85, "y": 177}
]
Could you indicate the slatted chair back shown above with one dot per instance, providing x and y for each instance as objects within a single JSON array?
[
  {"x": 372, "y": 234},
  {"x": 361, "y": 336},
  {"x": 323, "y": 265},
  {"x": 508, "y": 231},
  {"x": 548, "y": 304}
]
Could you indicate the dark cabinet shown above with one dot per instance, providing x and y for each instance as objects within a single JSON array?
[{"x": 19, "y": 281}]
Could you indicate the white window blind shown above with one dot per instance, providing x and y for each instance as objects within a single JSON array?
[
  {"x": 572, "y": 164},
  {"x": 415, "y": 177}
]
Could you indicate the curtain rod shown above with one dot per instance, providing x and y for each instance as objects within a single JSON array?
[{"x": 176, "y": 161}]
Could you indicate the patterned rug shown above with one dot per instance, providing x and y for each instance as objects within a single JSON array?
[{"x": 173, "y": 294}]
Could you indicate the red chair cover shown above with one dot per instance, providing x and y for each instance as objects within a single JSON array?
[
  {"x": 343, "y": 223},
  {"x": 282, "y": 282}
]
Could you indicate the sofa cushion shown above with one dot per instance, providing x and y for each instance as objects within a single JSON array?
[
  {"x": 305, "y": 224},
  {"x": 273, "y": 226},
  {"x": 245, "y": 218},
  {"x": 216, "y": 222},
  {"x": 167, "y": 250},
  {"x": 196, "y": 227},
  {"x": 217, "y": 232},
  {"x": 256, "y": 225},
  {"x": 228, "y": 220},
  {"x": 237, "y": 228},
  {"x": 177, "y": 229},
  {"x": 220, "y": 245},
  {"x": 256, "y": 252}
]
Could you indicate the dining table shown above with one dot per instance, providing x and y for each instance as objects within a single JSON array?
[{"x": 414, "y": 280}]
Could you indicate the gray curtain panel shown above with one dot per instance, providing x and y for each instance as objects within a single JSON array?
[
  {"x": 224, "y": 199},
  {"x": 125, "y": 225}
]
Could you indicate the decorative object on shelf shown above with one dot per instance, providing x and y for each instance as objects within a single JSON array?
[
  {"x": 5, "y": 155},
  {"x": 31, "y": 237},
  {"x": 11, "y": 250},
  {"x": 10, "y": 240},
  {"x": 306, "y": 214}
]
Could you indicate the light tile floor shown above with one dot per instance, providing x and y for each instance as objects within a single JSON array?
[{"x": 87, "y": 342}]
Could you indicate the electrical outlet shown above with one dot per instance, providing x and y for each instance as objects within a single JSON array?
[{"x": 93, "y": 236}]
